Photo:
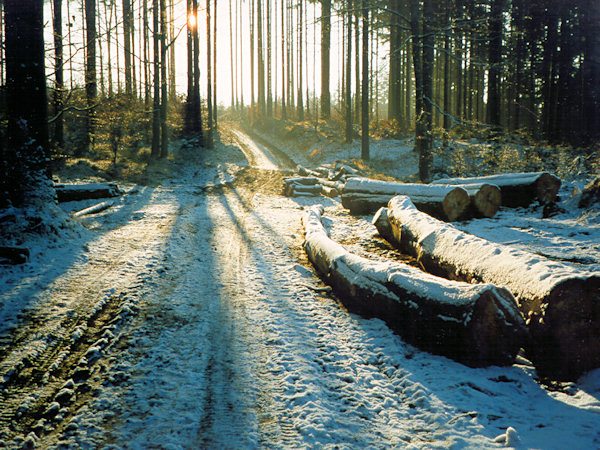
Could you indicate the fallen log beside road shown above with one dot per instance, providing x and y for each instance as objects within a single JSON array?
[
  {"x": 518, "y": 189},
  {"x": 73, "y": 192},
  {"x": 478, "y": 325},
  {"x": 99, "y": 207},
  {"x": 561, "y": 303},
  {"x": 365, "y": 196}
]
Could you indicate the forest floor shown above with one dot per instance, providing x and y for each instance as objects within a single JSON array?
[{"x": 187, "y": 316}]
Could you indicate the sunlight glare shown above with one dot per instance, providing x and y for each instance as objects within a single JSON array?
[{"x": 192, "y": 20}]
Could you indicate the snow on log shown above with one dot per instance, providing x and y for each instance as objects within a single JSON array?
[
  {"x": 365, "y": 196},
  {"x": 72, "y": 192},
  {"x": 13, "y": 255},
  {"x": 477, "y": 325},
  {"x": 518, "y": 189},
  {"x": 99, "y": 207},
  {"x": 560, "y": 302}
]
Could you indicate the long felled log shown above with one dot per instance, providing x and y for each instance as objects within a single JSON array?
[
  {"x": 73, "y": 192},
  {"x": 518, "y": 189},
  {"x": 99, "y": 207},
  {"x": 365, "y": 196},
  {"x": 560, "y": 302},
  {"x": 477, "y": 325}
]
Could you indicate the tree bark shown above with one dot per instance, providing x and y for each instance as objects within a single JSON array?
[
  {"x": 59, "y": 85},
  {"x": 26, "y": 102},
  {"x": 156, "y": 78},
  {"x": 348, "y": 87},
  {"x": 476, "y": 325},
  {"x": 561, "y": 303},
  {"x": 127, "y": 22},
  {"x": 365, "y": 84},
  {"x": 164, "y": 134},
  {"x": 364, "y": 196},
  {"x": 518, "y": 189},
  {"x": 325, "y": 57},
  {"x": 90, "y": 72}
]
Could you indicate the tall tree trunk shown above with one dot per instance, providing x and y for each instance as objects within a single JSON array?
[
  {"x": 164, "y": 135},
  {"x": 395, "y": 71},
  {"x": 365, "y": 84},
  {"x": 146, "y": 24},
  {"x": 197, "y": 106},
  {"x": 447, "y": 76},
  {"x": 209, "y": 70},
  {"x": 26, "y": 103},
  {"x": 90, "y": 71},
  {"x": 233, "y": 85},
  {"x": 325, "y": 57},
  {"x": 59, "y": 85},
  {"x": 348, "y": 105},
  {"x": 215, "y": 75},
  {"x": 127, "y": 45},
  {"x": 156, "y": 79},
  {"x": 284, "y": 85},
  {"x": 300, "y": 103},
  {"x": 495, "y": 62},
  {"x": 269, "y": 77},
  {"x": 109, "y": 18},
  {"x": 423, "y": 63},
  {"x": 252, "y": 26},
  {"x": 172, "y": 75}
]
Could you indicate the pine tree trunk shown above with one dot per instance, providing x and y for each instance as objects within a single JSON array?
[
  {"x": 26, "y": 101},
  {"x": 300, "y": 103},
  {"x": 209, "y": 73},
  {"x": 395, "y": 71},
  {"x": 156, "y": 78},
  {"x": 325, "y": 57},
  {"x": 164, "y": 135},
  {"x": 127, "y": 45},
  {"x": 348, "y": 88},
  {"x": 365, "y": 84},
  {"x": 495, "y": 62},
  {"x": 59, "y": 86},
  {"x": 90, "y": 71}
]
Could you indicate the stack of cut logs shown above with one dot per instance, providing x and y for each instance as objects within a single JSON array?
[
  {"x": 327, "y": 181},
  {"x": 454, "y": 198},
  {"x": 457, "y": 307}
]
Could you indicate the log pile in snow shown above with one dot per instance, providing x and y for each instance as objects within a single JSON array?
[
  {"x": 560, "y": 302},
  {"x": 73, "y": 192},
  {"x": 475, "y": 324},
  {"x": 365, "y": 196},
  {"x": 518, "y": 189},
  {"x": 323, "y": 180}
]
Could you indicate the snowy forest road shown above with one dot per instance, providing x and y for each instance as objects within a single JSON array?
[{"x": 193, "y": 319}]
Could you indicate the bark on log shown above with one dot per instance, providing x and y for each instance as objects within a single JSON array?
[
  {"x": 73, "y": 192},
  {"x": 518, "y": 189},
  {"x": 13, "y": 255},
  {"x": 477, "y": 325},
  {"x": 365, "y": 196},
  {"x": 99, "y": 207},
  {"x": 560, "y": 302}
]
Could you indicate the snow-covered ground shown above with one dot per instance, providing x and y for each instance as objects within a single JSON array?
[{"x": 205, "y": 326}]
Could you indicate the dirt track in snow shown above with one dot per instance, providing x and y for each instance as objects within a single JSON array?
[{"x": 193, "y": 320}]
